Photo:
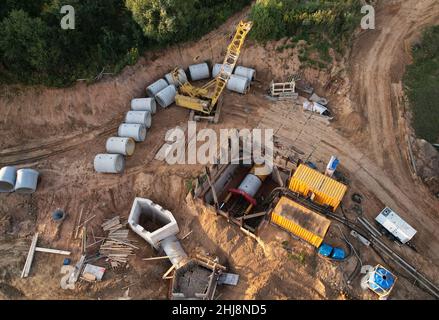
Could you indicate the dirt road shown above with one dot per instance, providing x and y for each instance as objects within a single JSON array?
[{"x": 377, "y": 68}]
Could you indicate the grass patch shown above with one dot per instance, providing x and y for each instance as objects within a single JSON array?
[
  {"x": 299, "y": 257},
  {"x": 422, "y": 86}
]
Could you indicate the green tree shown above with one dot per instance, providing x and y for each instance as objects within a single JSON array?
[
  {"x": 163, "y": 20},
  {"x": 23, "y": 44}
]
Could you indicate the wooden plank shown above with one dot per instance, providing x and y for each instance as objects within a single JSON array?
[
  {"x": 251, "y": 216},
  {"x": 30, "y": 257},
  {"x": 187, "y": 235},
  {"x": 165, "y": 276},
  {"x": 55, "y": 251},
  {"x": 89, "y": 219},
  {"x": 156, "y": 258},
  {"x": 215, "y": 198},
  {"x": 78, "y": 223},
  {"x": 126, "y": 243}
]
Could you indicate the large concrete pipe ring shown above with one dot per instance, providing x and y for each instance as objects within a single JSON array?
[
  {"x": 217, "y": 68},
  {"x": 173, "y": 249},
  {"x": 27, "y": 180},
  {"x": 139, "y": 117},
  {"x": 8, "y": 177},
  {"x": 238, "y": 84},
  {"x": 248, "y": 73},
  {"x": 181, "y": 77},
  {"x": 144, "y": 104},
  {"x": 109, "y": 163},
  {"x": 166, "y": 97},
  {"x": 199, "y": 71},
  {"x": 250, "y": 185},
  {"x": 156, "y": 87},
  {"x": 132, "y": 130},
  {"x": 123, "y": 146}
]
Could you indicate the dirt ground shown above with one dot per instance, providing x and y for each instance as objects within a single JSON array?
[{"x": 59, "y": 131}]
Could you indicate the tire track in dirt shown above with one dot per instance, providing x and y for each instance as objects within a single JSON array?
[{"x": 32, "y": 153}]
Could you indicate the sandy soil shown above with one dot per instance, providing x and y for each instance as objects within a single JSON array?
[{"x": 59, "y": 131}]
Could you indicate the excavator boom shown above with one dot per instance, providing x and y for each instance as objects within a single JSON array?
[{"x": 202, "y": 99}]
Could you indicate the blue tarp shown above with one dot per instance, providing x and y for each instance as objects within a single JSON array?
[{"x": 383, "y": 280}]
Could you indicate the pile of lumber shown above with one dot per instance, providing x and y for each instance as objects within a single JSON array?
[{"x": 116, "y": 246}]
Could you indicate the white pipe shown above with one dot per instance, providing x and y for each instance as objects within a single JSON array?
[
  {"x": 139, "y": 117},
  {"x": 144, "y": 104},
  {"x": 123, "y": 146},
  {"x": 132, "y": 130},
  {"x": 248, "y": 73},
  {"x": 250, "y": 185},
  {"x": 181, "y": 77},
  {"x": 8, "y": 177},
  {"x": 166, "y": 97},
  {"x": 216, "y": 70},
  {"x": 174, "y": 251},
  {"x": 156, "y": 87},
  {"x": 199, "y": 71},
  {"x": 109, "y": 163},
  {"x": 27, "y": 180},
  {"x": 238, "y": 84}
]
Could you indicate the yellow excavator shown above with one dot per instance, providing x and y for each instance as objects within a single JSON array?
[{"x": 205, "y": 102}]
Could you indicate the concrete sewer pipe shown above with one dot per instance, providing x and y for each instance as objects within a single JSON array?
[
  {"x": 109, "y": 163},
  {"x": 8, "y": 177},
  {"x": 156, "y": 87},
  {"x": 27, "y": 180},
  {"x": 139, "y": 117},
  {"x": 144, "y": 104},
  {"x": 132, "y": 130},
  {"x": 199, "y": 71},
  {"x": 118, "y": 145}
]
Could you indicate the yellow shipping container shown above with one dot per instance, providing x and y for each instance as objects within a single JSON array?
[
  {"x": 327, "y": 191},
  {"x": 300, "y": 221}
]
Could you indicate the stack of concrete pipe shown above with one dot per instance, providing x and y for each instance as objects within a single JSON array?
[
  {"x": 21, "y": 181},
  {"x": 133, "y": 130},
  {"x": 163, "y": 93},
  {"x": 136, "y": 124}
]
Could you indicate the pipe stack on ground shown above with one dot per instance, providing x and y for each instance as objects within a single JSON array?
[{"x": 21, "y": 181}]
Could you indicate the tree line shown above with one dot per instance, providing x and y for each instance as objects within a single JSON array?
[
  {"x": 324, "y": 21},
  {"x": 34, "y": 49}
]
